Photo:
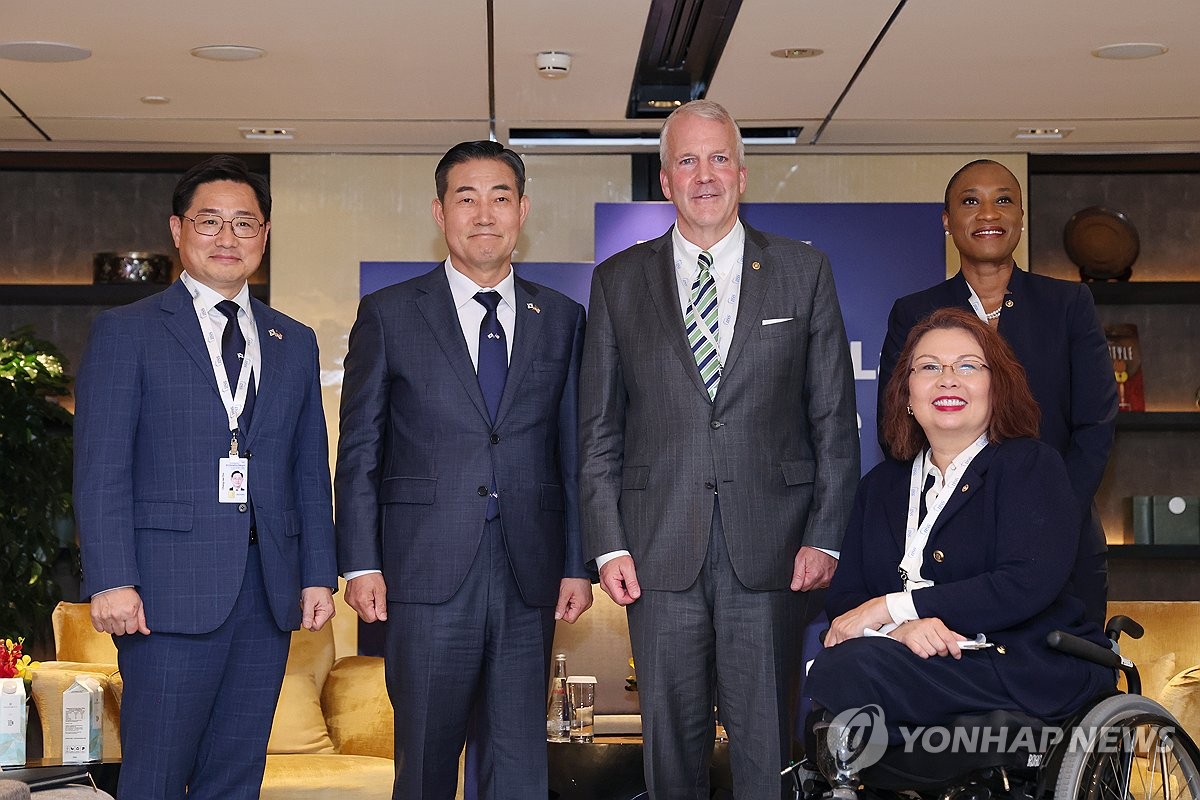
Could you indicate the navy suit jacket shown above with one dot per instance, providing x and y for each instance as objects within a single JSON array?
[
  {"x": 1000, "y": 555},
  {"x": 149, "y": 430},
  {"x": 1053, "y": 329},
  {"x": 417, "y": 450}
]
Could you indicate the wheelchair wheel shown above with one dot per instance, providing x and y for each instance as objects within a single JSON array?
[{"x": 1128, "y": 747}]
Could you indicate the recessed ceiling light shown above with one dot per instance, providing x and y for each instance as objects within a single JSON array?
[
  {"x": 155, "y": 100},
  {"x": 1042, "y": 133},
  {"x": 268, "y": 134},
  {"x": 1126, "y": 51},
  {"x": 797, "y": 52},
  {"x": 43, "y": 52},
  {"x": 228, "y": 52}
]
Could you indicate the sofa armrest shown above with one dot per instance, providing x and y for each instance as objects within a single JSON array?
[
  {"x": 357, "y": 710},
  {"x": 48, "y": 682},
  {"x": 1182, "y": 698}
]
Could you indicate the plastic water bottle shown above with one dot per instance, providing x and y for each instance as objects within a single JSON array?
[{"x": 558, "y": 711}]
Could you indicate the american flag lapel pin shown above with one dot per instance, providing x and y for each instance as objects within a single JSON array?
[
  {"x": 276, "y": 334},
  {"x": 533, "y": 308}
]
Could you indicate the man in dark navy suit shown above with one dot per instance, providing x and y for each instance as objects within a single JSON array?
[
  {"x": 199, "y": 558},
  {"x": 457, "y": 492}
]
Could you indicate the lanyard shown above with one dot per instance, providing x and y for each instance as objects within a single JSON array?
[
  {"x": 233, "y": 399},
  {"x": 917, "y": 535}
]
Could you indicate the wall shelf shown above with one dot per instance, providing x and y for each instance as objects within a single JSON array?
[
  {"x": 1145, "y": 292},
  {"x": 1174, "y": 551},
  {"x": 1169, "y": 421},
  {"x": 91, "y": 294}
]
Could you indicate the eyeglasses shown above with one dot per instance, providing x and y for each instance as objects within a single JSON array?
[
  {"x": 963, "y": 368},
  {"x": 211, "y": 225}
]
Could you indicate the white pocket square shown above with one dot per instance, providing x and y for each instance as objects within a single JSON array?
[{"x": 777, "y": 320}]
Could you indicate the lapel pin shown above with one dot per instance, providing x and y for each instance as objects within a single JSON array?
[
  {"x": 755, "y": 265},
  {"x": 276, "y": 334},
  {"x": 533, "y": 308}
]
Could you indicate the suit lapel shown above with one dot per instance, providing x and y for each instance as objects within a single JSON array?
[
  {"x": 272, "y": 353},
  {"x": 437, "y": 307},
  {"x": 182, "y": 323},
  {"x": 528, "y": 331},
  {"x": 664, "y": 293},
  {"x": 751, "y": 293},
  {"x": 896, "y": 503},
  {"x": 968, "y": 487}
]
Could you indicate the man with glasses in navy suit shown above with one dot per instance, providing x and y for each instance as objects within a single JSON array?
[{"x": 202, "y": 499}]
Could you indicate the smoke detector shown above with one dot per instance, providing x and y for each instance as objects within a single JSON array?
[{"x": 553, "y": 63}]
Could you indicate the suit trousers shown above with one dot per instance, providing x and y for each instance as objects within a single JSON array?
[
  {"x": 480, "y": 659},
  {"x": 720, "y": 643},
  {"x": 197, "y": 708},
  {"x": 913, "y": 691}
]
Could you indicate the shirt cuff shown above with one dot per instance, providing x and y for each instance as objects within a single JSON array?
[
  {"x": 607, "y": 557},
  {"x": 900, "y": 605},
  {"x": 113, "y": 589},
  {"x": 358, "y": 573},
  {"x": 834, "y": 553}
]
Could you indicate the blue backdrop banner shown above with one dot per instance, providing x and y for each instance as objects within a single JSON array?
[{"x": 879, "y": 252}]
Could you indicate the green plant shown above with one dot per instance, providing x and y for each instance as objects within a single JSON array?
[{"x": 35, "y": 490}]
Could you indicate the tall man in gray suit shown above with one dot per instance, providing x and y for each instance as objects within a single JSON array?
[
  {"x": 457, "y": 488},
  {"x": 719, "y": 459}
]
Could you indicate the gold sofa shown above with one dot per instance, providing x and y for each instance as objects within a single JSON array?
[
  {"x": 332, "y": 735},
  {"x": 1168, "y": 656}
]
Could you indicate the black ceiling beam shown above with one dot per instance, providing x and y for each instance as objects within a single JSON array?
[{"x": 681, "y": 46}]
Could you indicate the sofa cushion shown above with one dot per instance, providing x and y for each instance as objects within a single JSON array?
[
  {"x": 300, "y": 777},
  {"x": 299, "y": 726},
  {"x": 51, "y": 679},
  {"x": 357, "y": 709},
  {"x": 1182, "y": 699},
  {"x": 76, "y": 640}
]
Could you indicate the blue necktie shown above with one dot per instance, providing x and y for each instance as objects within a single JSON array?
[
  {"x": 492, "y": 370},
  {"x": 493, "y": 353},
  {"x": 233, "y": 350}
]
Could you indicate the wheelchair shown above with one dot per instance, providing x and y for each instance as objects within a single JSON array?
[{"x": 1123, "y": 747}]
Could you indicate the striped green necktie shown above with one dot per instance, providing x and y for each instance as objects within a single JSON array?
[{"x": 701, "y": 321}]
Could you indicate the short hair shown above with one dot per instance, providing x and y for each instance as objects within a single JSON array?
[
  {"x": 220, "y": 168},
  {"x": 964, "y": 168},
  {"x": 705, "y": 109},
  {"x": 1015, "y": 413},
  {"x": 471, "y": 151}
]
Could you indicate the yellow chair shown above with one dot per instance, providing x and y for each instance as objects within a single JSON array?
[{"x": 332, "y": 734}]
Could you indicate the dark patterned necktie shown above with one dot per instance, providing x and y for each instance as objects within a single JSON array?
[
  {"x": 233, "y": 352},
  {"x": 701, "y": 322},
  {"x": 492, "y": 370}
]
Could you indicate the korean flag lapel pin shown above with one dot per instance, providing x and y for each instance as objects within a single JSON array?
[
  {"x": 276, "y": 334},
  {"x": 533, "y": 308}
]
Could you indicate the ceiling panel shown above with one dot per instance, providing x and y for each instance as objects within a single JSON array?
[
  {"x": 948, "y": 59},
  {"x": 387, "y": 76},
  {"x": 369, "y": 60},
  {"x": 755, "y": 85},
  {"x": 603, "y": 39}
]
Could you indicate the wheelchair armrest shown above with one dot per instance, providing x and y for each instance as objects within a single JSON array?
[
  {"x": 1082, "y": 648},
  {"x": 1122, "y": 624}
]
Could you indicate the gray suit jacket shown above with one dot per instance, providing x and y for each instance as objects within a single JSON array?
[
  {"x": 417, "y": 450},
  {"x": 778, "y": 444}
]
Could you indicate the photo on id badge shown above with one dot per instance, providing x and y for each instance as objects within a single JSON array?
[{"x": 234, "y": 480}]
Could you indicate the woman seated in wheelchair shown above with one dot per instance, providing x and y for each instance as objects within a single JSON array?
[{"x": 956, "y": 561}]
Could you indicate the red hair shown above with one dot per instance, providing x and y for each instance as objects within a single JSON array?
[{"x": 1015, "y": 413}]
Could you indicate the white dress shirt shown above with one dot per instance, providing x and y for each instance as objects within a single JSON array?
[{"x": 210, "y": 297}]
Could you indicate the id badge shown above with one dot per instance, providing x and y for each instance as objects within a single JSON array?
[{"x": 233, "y": 480}]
